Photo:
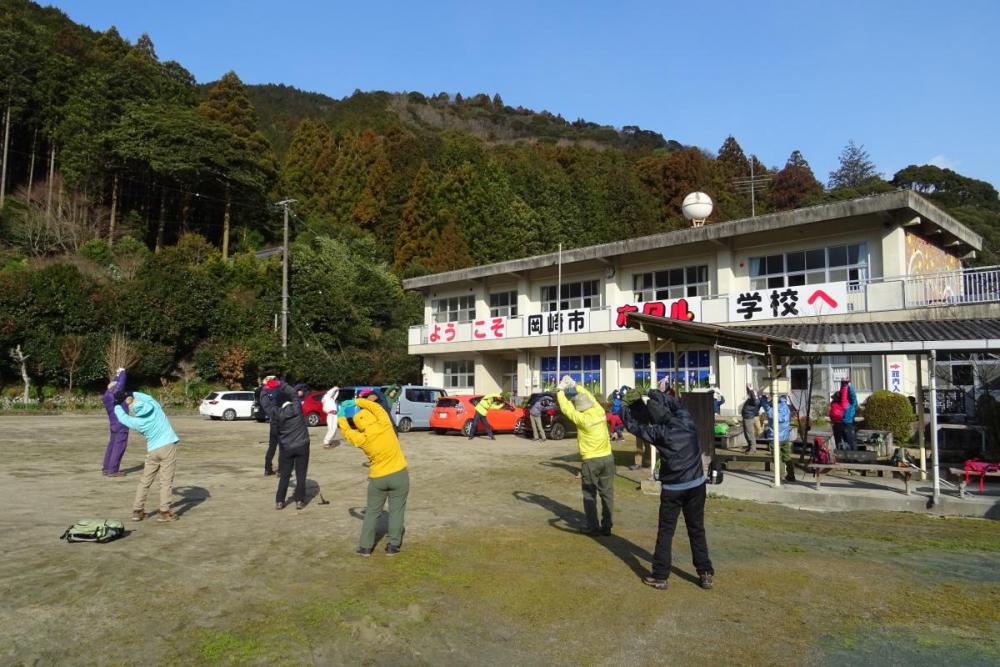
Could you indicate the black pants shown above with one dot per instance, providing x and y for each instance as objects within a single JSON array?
[
  {"x": 299, "y": 459},
  {"x": 272, "y": 447},
  {"x": 850, "y": 437},
  {"x": 672, "y": 503}
]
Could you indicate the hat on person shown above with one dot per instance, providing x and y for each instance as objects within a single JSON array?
[{"x": 582, "y": 402}]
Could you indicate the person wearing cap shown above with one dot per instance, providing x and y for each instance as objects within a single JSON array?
[
  {"x": 664, "y": 423},
  {"x": 146, "y": 416},
  {"x": 598, "y": 469},
  {"x": 486, "y": 403},
  {"x": 367, "y": 426},
  {"x": 118, "y": 437},
  {"x": 330, "y": 409},
  {"x": 267, "y": 399},
  {"x": 784, "y": 427},
  {"x": 288, "y": 428}
]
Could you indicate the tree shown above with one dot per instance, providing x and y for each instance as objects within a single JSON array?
[
  {"x": 186, "y": 372},
  {"x": 856, "y": 168},
  {"x": 732, "y": 159},
  {"x": 120, "y": 353},
  {"x": 232, "y": 366},
  {"x": 72, "y": 350},
  {"x": 416, "y": 233},
  {"x": 794, "y": 184},
  {"x": 21, "y": 359}
]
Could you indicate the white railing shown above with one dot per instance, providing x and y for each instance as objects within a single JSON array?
[{"x": 952, "y": 288}]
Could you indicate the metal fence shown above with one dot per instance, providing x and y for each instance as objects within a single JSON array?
[{"x": 976, "y": 285}]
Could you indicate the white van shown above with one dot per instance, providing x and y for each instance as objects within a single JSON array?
[
  {"x": 414, "y": 407},
  {"x": 227, "y": 405}
]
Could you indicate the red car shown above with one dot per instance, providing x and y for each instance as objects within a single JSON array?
[
  {"x": 312, "y": 408},
  {"x": 455, "y": 413}
]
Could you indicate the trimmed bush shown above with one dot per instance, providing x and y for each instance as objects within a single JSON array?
[{"x": 888, "y": 411}]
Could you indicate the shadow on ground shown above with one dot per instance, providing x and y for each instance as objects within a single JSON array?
[{"x": 573, "y": 521}]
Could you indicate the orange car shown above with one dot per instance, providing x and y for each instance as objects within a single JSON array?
[{"x": 455, "y": 413}]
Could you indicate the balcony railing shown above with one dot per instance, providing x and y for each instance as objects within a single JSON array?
[{"x": 951, "y": 288}]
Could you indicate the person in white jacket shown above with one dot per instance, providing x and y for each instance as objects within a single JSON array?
[{"x": 330, "y": 408}]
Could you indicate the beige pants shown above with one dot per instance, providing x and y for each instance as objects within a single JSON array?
[
  {"x": 642, "y": 457},
  {"x": 161, "y": 461}
]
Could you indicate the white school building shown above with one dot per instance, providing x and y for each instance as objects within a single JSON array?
[{"x": 887, "y": 258}]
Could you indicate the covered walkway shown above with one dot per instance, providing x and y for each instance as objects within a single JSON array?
[{"x": 778, "y": 344}]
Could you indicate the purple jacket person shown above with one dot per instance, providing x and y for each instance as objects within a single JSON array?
[{"x": 118, "y": 440}]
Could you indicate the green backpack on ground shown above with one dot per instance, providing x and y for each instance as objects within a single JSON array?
[{"x": 94, "y": 530}]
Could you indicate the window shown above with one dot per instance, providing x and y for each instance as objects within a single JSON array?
[
  {"x": 585, "y": 369},
  {"x": 503, "y": 304},
  {"x": 671, "y": 284},
  {"x": 459, "y": 374},
  {"x": 455, "y": 309},
  {"x": 693, "y": 367},
  {"x": 809, "y": 267},
  {"x": 422, "y": 395},
  {"x": 827, "y": 374},
  {"x": 586, "y": 294}
]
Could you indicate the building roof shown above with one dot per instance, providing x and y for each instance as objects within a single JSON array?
[
  {"x": 904, "y": 336},
  {"x": 901, "y": 206},
  {"x": 972, "y": 335}
]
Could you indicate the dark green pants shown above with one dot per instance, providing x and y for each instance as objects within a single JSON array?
[
  {"x": 598, "y": 478},
  {"x": 786, "y": 458},
  {"x": 394, "y": 488}
]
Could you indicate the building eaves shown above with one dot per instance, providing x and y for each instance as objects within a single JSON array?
[{"x": 902, "y": 200}]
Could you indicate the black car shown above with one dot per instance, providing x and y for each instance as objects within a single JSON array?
[{"x": 556, "y": 425}]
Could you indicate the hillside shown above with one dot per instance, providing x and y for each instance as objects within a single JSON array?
[{"x": 281, "y": 108}]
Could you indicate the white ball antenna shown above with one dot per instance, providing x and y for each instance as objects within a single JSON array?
[{"x": 696, "y": 207}]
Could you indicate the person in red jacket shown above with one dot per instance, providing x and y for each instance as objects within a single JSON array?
[{"x": 615, "y": 426}]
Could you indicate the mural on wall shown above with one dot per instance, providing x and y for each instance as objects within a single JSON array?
[
  {"x": 925, "y": 258},
  {"x": 922, "y": 256}
]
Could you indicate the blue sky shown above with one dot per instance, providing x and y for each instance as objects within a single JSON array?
[{"x": 915, "y": 81}]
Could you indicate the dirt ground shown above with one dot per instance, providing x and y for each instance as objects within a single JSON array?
[{"x": 491, "y": 572}]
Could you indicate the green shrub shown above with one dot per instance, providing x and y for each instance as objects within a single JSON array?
[{"x": 888, "y": 411}]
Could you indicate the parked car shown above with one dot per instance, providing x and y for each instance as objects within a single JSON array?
[
  {"x": 455, "y": 413},
  {"x": 555, "y": 423},
  {"x": 227, "y": 405},
  {"x": 415, "y": 406},
  {"x": 312, "y": 408}
]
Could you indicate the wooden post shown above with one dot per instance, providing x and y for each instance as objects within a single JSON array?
[
  {"x": 920, "y": 418},
  {"x": 775, "y": 445}
]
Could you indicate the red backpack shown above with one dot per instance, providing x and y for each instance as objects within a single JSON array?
[
  {"x": 821, "y": 452},
  {"x": 977, "y": 467}
]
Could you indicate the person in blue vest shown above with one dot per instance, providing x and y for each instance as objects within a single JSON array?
[
  {"x": 784, "y": 434},
  {"x": 146, "y": 416}
]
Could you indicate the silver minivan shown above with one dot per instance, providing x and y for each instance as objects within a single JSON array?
[{"x": 414, "y": 407}]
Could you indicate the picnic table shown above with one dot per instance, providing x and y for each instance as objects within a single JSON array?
[
  {"x": 820, "y": 469},
  {"x": 960, "y": 473},
  {"x": 729, "y": 456}
]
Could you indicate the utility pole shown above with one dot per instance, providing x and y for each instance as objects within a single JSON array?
[{"x": 285, "y": 203}]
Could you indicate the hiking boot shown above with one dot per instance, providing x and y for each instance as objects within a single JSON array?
[
  {"x": 391, "y": 550},
  {"x": 364, "y": 553},
  {"x": 114, "y": 474},
  {"x": 588, "y": 531},
  {"x": 166, "y": 517},
  {"x": 655, "y": 582},
  {"x": 299, "y": 505},
  {"x": 705, "y": 580},
  {"x": 606, "y": 531},
  {"x": 138, "y": 515},
  {"x": 634, "y": 467},
  {"x": 790, "y": 477},
  {"x": 268, "y": 473},
  {"x": 279, "y": 505}
]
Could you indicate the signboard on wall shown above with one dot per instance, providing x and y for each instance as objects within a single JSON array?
[
  {"x": 896, "y": 377},
  {"x": 687, "y": 309},
  {"x": 492, "y": 328},
  {"x": 780, "y": 302},
  {"x": 567, "y": 321}
]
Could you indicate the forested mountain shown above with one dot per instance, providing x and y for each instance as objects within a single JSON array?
[{"x": 121, "y": 176}]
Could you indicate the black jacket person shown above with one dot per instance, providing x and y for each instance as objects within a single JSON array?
[
  {"x": 290, "y": 431},
  {"x": 666, "y": 425}
]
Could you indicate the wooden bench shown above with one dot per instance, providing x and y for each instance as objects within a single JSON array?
[
  {"x": 820, "y": 469},
  {"x": 960, "y": 473},
  {"x": 729, "y": 456}
]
